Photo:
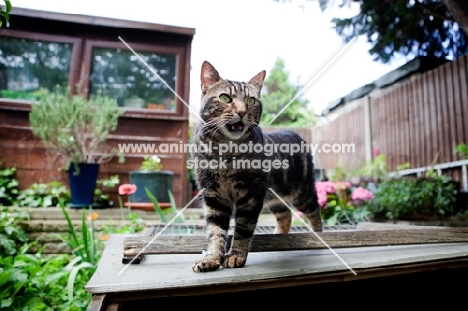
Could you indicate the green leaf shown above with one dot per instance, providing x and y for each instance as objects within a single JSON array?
[
  {"x": 5, "y": 276},
  {"x": 72, "y": 277},
  {"x": 5, "y": 303},
  {"x": 332, "y": 220},
  {"x": 84, "y": 233},
  {"x": 34, "y": 303},
  {"x": 8, "y": 6},
  {"x": 76, "y": 242},
  {"x": 156, "y": 206},
  {"x": 6, "y": 14},
  {"x": 181, "y": 218}
]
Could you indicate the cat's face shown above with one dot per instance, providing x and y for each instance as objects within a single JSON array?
[{"x": 229, "y": 107}]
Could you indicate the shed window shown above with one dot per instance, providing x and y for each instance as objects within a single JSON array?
[
  {"x": 27, "y": 66},
  {"x": 120, "y": 74}
]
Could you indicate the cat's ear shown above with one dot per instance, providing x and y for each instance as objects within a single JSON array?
[
  {"x": 209, "y": 75},
  {"x": 257, "y": 81}
]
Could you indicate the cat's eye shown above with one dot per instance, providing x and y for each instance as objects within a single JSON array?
[
  {"x": 225, "y": 98},
  {"x": 251, "y": 101}
]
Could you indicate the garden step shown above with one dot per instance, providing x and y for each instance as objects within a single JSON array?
[{"x": 51, "y": 213}]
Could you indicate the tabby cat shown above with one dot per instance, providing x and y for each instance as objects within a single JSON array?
[{"x": 231, "y": 111}]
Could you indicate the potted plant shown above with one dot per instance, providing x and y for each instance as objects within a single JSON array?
[
  {"x": 150, "y": 176},
  {"x": 77, "y": 129}
]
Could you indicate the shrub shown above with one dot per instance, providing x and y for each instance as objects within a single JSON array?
[
  {"x": 35, "y": 281},
  {"x": 8, "y": 185},
  {"x": 44, "y": 195},
  {"x": 415, "y": 198}
]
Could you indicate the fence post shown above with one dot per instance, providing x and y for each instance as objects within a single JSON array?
[
  {"x": 367, "y": 129},
  {"x": 464, "y": 178}
]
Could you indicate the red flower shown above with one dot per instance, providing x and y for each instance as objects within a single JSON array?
[{"x": 127, "y": 189}]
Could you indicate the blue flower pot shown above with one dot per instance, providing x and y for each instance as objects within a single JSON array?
[{"x": 82, "y": 183}]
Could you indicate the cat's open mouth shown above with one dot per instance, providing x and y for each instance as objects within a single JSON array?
[{"x": 235, "y": 127}]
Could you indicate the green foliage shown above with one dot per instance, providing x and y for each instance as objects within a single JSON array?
[
  {"x": 37, "y": 282},
  {"x": 74, "y": 127},
  {"x": 136, "y": 225},
  {"x": 343, "y": 203},
  {"x": 339, "y": 173},
  {"x": 375, "y": 169},
  {"x": 5, "y": 12},
  {"x": 165, "y": 214},
  {"x": 34, "y": 281},
  {"x": 20, "y": 94},
  {"x": 411, "y": 28},
  {"x": 11, "y": 235},
  {"x": 51, "y": 194},
  {"x": 279, "y": 91},
  {"x": 151, "y": 163},
  {"x": 403, "y": 166},
  {"x": 8, "y": 186},
  {"x": 83, "y": 246},
  {"x": 415, "y": 198},
  {"x": 86, "y": 248},
  {"x": 110, "y": 182},
  {"x": 101, "y": 195},
  {"x": 462, "y": 150}
]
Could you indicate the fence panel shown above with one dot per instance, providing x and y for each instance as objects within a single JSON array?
[{"x": 419, "y": 120}]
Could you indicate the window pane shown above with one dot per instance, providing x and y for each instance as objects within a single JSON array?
[
  {"x": 27, "y": 66},
  {"x": 121, "y": 75}
]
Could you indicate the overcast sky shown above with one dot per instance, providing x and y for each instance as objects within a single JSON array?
[{"x": 242, "y": 37}]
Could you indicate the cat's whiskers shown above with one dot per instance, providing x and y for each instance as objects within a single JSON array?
[
  {"x": 212, "y": 126},
  {"x": 220, "y": 124}
]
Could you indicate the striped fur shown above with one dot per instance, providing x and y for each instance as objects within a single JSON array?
[{"x": 242, "y": 193}]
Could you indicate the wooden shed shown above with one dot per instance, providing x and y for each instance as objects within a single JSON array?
[{"x": 42, "y": 49}]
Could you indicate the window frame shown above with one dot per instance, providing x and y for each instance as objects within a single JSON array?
[
  {"x": 179, "y": 52},
  {"x": 81, "y": 62},
  {"x": 76, "y": 42}
]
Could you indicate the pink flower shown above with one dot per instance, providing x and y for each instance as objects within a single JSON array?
[
  {"x": 322, "y": 198},
  {"x": 327, "y": 186},
  {"x": 361, "y": 193},
  {"x": 127, "y": 189}
]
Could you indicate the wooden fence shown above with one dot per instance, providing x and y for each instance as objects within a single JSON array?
[{"x": 419, "y": 120}]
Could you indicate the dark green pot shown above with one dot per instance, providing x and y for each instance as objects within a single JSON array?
[{"x": 157, "y": 182}]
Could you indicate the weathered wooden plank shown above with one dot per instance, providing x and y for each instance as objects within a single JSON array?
[
  {"x": 97, "y": 302},
  {"x": 299, "y": 241},
  {"x": 443, "y": 111},
  {"x": 458, "y": 103},
  {"x": 434, "y": 149},
  {"x": 394, "y": 122},
  {"x": 376, "y": 226},
  {"x": 464, "y": 92}
]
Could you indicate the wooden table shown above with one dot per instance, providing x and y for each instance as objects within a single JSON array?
[{"x": 434, "y": 266}]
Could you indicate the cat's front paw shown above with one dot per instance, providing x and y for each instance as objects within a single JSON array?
[
  {"x": 235, "y": 260},
  {"x": 206, "y": 264}
]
